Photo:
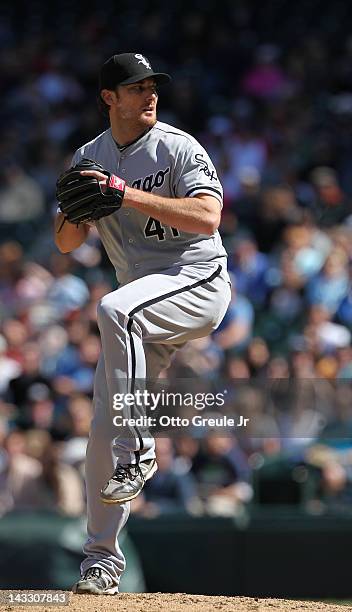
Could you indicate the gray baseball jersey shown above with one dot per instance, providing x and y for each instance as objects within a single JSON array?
[{"x": 170, "y": 163}]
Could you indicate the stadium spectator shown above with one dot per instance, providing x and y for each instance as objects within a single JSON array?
[
  {"x": 221, "y": 472},
  {"x": 172, "y": 490},
  {"x": 30, "y": 375}
]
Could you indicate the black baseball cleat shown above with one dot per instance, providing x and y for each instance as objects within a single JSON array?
[
  {"x": 127, "y": 481},
  {"x": 96, "y": 581}
]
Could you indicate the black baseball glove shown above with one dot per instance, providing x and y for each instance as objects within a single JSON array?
[{"x": 82, "y": 198}]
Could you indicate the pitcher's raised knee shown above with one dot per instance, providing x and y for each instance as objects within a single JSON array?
[{"x": 109, "y": 307}]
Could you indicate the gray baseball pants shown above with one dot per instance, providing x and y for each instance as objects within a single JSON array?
[{"x": 141, "y": 324}]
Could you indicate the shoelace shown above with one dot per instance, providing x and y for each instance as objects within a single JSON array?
[
  {"x": 99, "y": 574},
  {"x": 125, "y": 472},
  {"x": 93, "y": 572}
]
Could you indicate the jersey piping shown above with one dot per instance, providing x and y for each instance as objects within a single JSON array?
[{"x": 202, "y": 188}]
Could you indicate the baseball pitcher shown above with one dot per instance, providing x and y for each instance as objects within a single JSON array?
[{"x": 155, "y": 198}]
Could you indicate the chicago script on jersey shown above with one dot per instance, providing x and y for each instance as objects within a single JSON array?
[{"x": 151, "y": 181}]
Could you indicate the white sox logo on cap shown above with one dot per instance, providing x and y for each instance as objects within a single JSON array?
[{"x": 143, "y": 60}]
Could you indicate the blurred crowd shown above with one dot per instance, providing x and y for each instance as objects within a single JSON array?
[{"x": 268, "y": 92}]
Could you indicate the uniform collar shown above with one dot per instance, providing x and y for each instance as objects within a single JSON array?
[{"x": 123, "y": 147}]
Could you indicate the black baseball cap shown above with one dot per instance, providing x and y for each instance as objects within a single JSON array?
[{"x": 127, "y": 68}]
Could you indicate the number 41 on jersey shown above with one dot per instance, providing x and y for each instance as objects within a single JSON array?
[{"x": 153, "y": 228}]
